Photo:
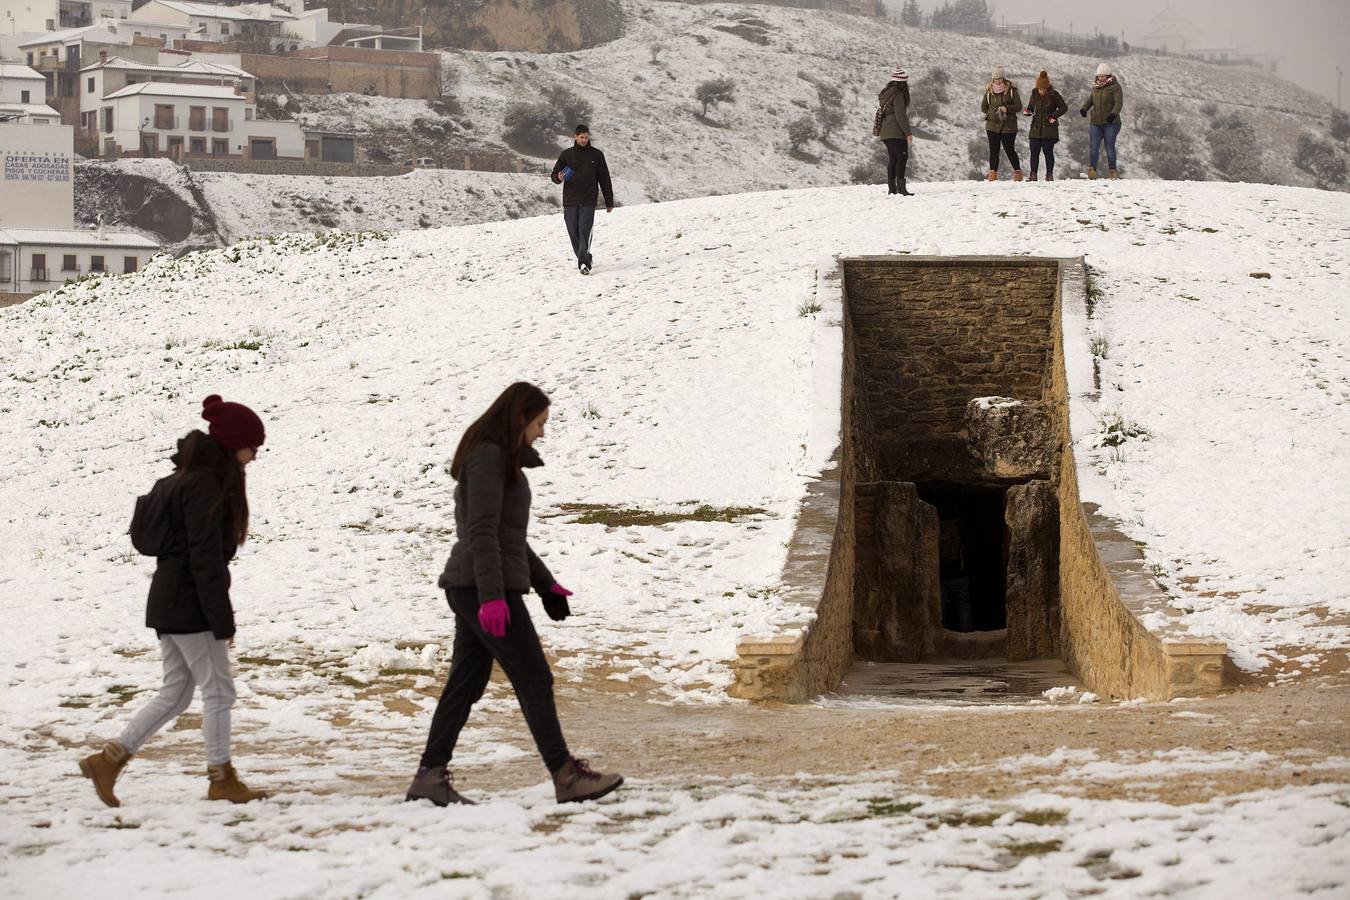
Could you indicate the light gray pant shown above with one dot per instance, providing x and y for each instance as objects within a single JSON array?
[{"x": 190, "y": 660}]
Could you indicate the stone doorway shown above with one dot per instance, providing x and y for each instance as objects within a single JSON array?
[{"x": 955, "y": 459}]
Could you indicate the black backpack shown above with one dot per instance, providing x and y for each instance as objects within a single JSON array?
[{"x": 152, "y": 524}]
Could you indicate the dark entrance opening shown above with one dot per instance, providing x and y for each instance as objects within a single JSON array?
[{"x": 972, "y": 556}]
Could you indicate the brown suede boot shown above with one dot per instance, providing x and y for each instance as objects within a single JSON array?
[
  {"x": 1049, "y": 176},
  {"x": 576, "y": 782},
  {"x": 1017, "y": 175},
  {"x": 992, "y": 176},
  {"x": 103, "y": 768},
  {"x": 225, "y": 785},
  {"x": 1092, "y": 173},
  {"x": 1111, "y": 174},
  {"x": 437, "y": 785}
]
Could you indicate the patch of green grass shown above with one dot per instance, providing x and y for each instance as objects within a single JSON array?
[
  {"x": 977, "y": 819},
  {"x": 808, "y": 308},
  {"x": 1031, "y": 848},
  {"x": 624, "y": 517},
  {"x": 261, "y": 661},
  {"x": 395, "y": 670},
  {"x": 886, "y": 807},
  {"x": 124, "y": 691},
  {"x": 1043, "y": 817}
]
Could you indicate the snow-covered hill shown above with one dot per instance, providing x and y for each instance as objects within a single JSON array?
[
  {"x": 684, "y": 375},
  {"x": 648, "y": 122}
]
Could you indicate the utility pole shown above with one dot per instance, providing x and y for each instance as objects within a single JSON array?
[{"x": 1339, "y": 74}]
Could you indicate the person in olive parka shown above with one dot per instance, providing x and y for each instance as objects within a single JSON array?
[
  {"x": 1105, "y": 103},
  {"x": 1000, "y": 105},
  {"x": 895, "y": 133},
  {"x": 582, "y": 171},
  {"x": 189, "y": 602},
  {"x": 1045, "y": 105},
  {"x": 491, "y": 566}
]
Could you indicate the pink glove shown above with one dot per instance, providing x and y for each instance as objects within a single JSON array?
[
  {"x": 559, "y": 589},
  {"x": 494, "y": 616}
]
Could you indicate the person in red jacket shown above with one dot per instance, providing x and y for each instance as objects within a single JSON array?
[{"x": 189, "y": 603}]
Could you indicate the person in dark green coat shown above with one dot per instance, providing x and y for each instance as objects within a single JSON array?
[
  {"x": 1044, "y": 106},
  {"x": 1000, "y": 105},
  {"x": 1105, "y": 103},
  {"x": 894, "y": 130}
]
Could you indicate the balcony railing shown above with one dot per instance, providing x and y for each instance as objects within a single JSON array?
[
  {"x": 72, "y": 20},
  {"x": 196, "y": 124},
  {"x": 40, "y": 275},
  {"x": 221, "y": 125}
]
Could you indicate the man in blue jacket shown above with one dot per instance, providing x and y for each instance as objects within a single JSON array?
[{"x": 581, "y": 170}]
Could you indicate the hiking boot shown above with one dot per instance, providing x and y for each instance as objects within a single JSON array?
[
  {"x": 1111, "y": 174},
  {"x": 1049, "y": 176},
  {"x": 576, "y": 782},
  {"x": 1017, "y": 175},
  {"x": 904, "y": 190},
  {"x": 1032, "y": 177},
  {"x": 103, "y": 768},
  {"x": 992, "y": 176},
  {"x": 1092, "y": 173},
  {"x": 225, "y": 785},
  {"x": 437, "y": 785}
]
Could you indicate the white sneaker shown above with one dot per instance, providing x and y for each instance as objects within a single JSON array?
[{"x": 585, "y": 269}]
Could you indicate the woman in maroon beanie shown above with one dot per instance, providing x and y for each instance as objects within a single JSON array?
[{"x": 189, "y": 604}]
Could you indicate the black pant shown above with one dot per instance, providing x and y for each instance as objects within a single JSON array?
[
  {"x": 1009, "y": 142},
  {"x": 1046, "y": 146},
  {"x": 897, "y": 156},
  {"x": 521, "y": 658},
  {"x": 579, "y": 221}
]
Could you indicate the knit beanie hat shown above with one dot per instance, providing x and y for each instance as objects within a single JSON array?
[
  {"x": 1103, "y": 69},
  {"x": 233, "y": 425},
  {"x": 899, "y": 74},
  {"x": 1043, "y": 80},
  {"x": 997, "y": 73}
]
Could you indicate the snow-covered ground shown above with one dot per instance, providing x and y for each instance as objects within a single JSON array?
[{"x": 682, "y": 374}]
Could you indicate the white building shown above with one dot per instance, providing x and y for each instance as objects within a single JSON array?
[
  {"x": 217, "y": 22},
  {"x": 40, "y": 247},
  {"x": 37, "y": 16},
  {"x": 179, "y": 121},
  {"x": 22, "y": 95}
]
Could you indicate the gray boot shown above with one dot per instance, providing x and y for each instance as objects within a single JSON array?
[
  {"x": 576, "y": 782},
  {"x": 437, "y": 785}
]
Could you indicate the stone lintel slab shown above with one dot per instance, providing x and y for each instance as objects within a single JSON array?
[
  {"x": 1195, "y": 648},
  {"x": 777, "y": 645}
]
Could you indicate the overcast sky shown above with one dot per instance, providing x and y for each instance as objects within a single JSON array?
[{"x": 1311, "y": 37}]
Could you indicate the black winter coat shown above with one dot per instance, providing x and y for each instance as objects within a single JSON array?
[
  {"x": 190, "y": 591},
  {"x": 589, "y": 172},
  {"x": 491, "y": 518},
  {"x": 1043, "y": 109}
]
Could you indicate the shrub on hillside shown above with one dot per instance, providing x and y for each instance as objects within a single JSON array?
[
  {"x": 536, "y": 126},
  {"x": 1168, "y": 148},
  {"x": 1340, "y": 125},
  {"x": 830, "y": 118},
  {"x": 938, "y": 81},
  {"x": 1234, "y": 150},
  {"x": 1322, "y": 161},
  {"x": 924, "y": 107},
  {"x": 912, "y": 15},
  {"x": 802, "y": 130},
  {"x": 714, "y": 92}
]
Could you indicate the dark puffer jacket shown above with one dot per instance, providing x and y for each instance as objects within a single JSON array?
[
  {"x": 491, "y": 518},
  {"x": 1105, "y": 101},
  {"x": 589, "y": 172},
  {"x": 190, "y": 591}
]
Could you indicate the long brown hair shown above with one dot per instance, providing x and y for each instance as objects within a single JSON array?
[
  {"x": 234, "y": 490},
  {"x": 903, "y": 88},
  {"x": 504, "y": 425}
]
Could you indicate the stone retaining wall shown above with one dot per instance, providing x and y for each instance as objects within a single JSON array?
[
  {"x": 294, "y": 167},
  {"x": 1104, "y": 590}
]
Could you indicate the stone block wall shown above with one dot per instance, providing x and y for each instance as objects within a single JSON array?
[
  {"x": 936, "y": 333},
  {"x": 421, "y": 81}
]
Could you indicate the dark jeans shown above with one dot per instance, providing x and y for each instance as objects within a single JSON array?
[
  {"x": 897, "y": 157},
  {"x": 521, "y": 658},
  {"x": 1046, "y": 146},
  {"x": 1009, "y": 142},
  {"x": 1098, "y": 134},
  {"x": 580, "y": 220}
]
